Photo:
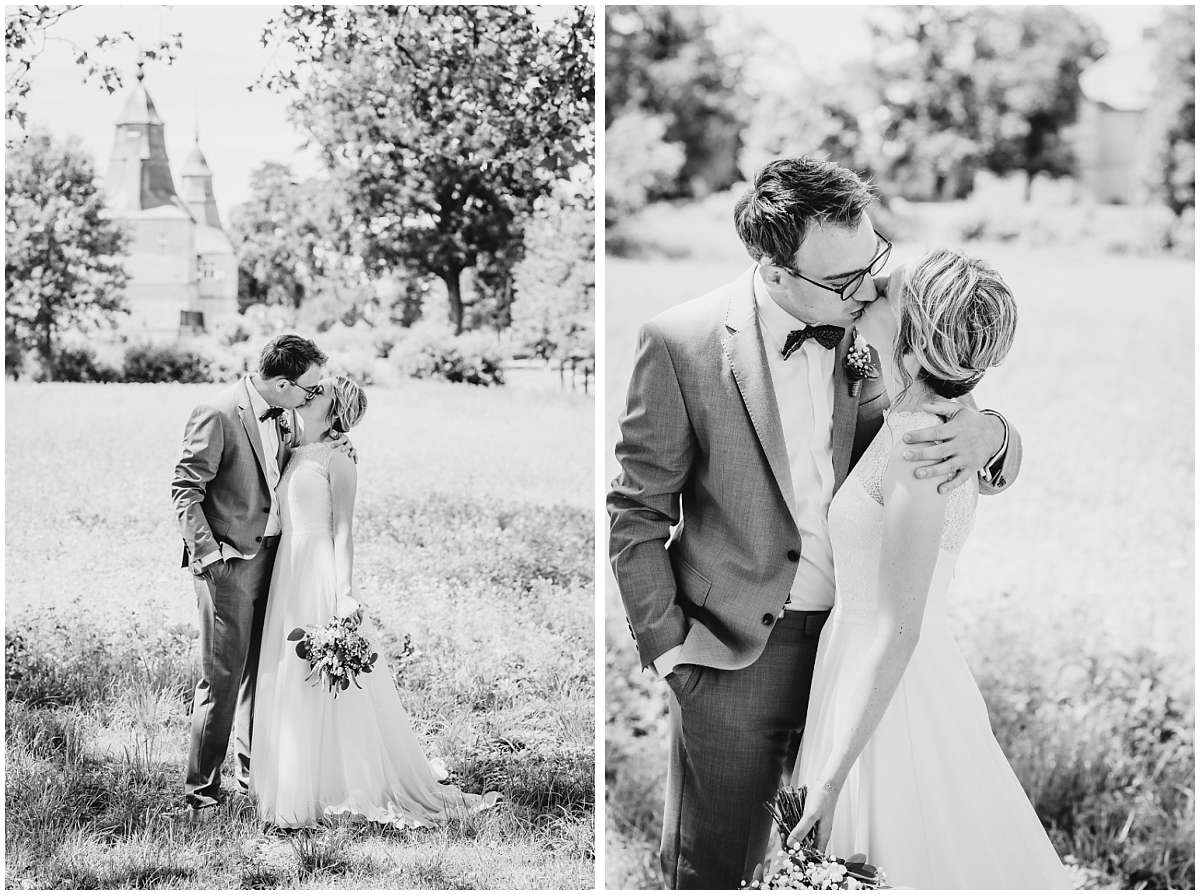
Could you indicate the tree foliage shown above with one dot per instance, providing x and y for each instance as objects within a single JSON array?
[
  {"x": 1173, "y": 109},
  {"x": 444, "y": 123},
  {"x": 62, "y": 265},
  {"x": 661, "y": 63},
  {"x": 26, "y": 32},
  {"x": 555, "y": 281},
  {"x": 289, "y": 237},
  {"x": 966, "y": 88}
]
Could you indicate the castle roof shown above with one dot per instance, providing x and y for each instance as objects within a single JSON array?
[
  {"x": 139, "y": 174},
  {"x": 196, "y": 165},
  {"x": 139, "y": 107}
]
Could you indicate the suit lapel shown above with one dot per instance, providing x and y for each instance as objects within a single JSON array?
[
  {"x": 250, "y": 424},
  {"x": 747, "y": 358},
  {"x": 845, "y": 412}
]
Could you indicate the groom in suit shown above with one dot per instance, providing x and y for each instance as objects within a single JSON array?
[
  {"x": 740, "y": 424},
  {"x": 234, "y": 449}
]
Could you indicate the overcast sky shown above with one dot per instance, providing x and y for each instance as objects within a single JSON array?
[{"x": 239, "y": 130}]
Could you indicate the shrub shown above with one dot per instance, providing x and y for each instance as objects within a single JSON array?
[
  {"x": 361, "y": 351},
  {"x": 80, "y": 364},
  {"x": 431, "y": 351},
  {"x": 165, "y": 363}
]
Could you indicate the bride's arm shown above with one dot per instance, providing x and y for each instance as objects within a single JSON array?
[
  {"x": 343, "y": 483},
  {"x": 914, "y": 512}
]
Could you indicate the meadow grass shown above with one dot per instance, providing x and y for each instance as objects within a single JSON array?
[
  {"x": 474, "y": 551},
  {"x": 1073, "y": 599}
]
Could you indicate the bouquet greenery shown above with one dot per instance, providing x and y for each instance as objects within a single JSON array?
[
  {"x": 803, "y": 866},
  {"x": 336, "y": 653}
]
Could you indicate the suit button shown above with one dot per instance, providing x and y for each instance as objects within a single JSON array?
[
  {"x": 258, "y": 539},
  {"x": 794, "y": 555},
  {"x": 768, "y": 619}
]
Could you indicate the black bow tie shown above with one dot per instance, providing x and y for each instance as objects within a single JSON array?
[
  {"x": 826, "y": 336},
  {"x": 271, "y": 413}
]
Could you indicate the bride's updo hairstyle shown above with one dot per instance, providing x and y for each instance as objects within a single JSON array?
[
  {"x": 957, "y": 319},
  {"x": 348, "y": 403}
]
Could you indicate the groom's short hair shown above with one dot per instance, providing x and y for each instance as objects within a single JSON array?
[
  {"x": 289, "y": 356},
  {"x": 791, "y": 194}
]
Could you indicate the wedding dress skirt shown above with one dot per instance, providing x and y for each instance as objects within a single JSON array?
[
  {"x": 932, "y": 799},
  {"x": 313, "y": 755}
]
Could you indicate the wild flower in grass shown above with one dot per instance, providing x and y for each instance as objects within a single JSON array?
[{"x": 336, "y": 653}]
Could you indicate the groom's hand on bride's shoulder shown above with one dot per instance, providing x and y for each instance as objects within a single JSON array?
[
  {"x": 956, "y": 449},
  {"x": 340, "y": 441}
]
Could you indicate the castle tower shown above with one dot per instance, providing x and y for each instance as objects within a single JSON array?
[
  {"x": 139, "y": 174},
  {"x": 196, "y": 187},
  {"x": 181, "y": 264}
]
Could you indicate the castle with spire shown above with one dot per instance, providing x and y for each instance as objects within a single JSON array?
[{"x": 181, "y": 264}]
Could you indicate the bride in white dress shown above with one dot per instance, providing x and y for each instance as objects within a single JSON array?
[
  {"x": 312, "y": 755},
  {"x": 898, "y": 753}
]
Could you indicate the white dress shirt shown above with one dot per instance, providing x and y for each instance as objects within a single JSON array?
[
  {"x": 803, "y": 386},
  {"x": 268, "y": 431}
]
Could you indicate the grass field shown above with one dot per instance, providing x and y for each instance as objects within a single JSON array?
[
  {"x": 1074, "y": 597},
  {"x": 474, "y": 551}
]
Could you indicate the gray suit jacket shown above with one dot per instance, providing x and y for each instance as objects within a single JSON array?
[
  {"x": 703, "y": 541},
  {"x": 220, "y": 489}
]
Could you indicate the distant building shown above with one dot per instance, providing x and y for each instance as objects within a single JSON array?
[
  {"x": 181, "y": 264},
  {"x": 1111, "y": 134}
]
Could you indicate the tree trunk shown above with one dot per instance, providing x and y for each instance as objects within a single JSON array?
[
  {"x": 452, "y": 279},
  {"x": 1029, "y": 175},
  {"x": 46, "y": 350}
]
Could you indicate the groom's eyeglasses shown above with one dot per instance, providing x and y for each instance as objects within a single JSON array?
[
  {"x": 311, "y": 391},
  {"x": 847, "y": 289}
]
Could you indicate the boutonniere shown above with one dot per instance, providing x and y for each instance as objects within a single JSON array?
[
  {"x": 859, "y": 364},
  {"x": 285, "y": 427}
]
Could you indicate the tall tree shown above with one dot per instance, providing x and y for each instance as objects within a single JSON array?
[
  {"x": 446, "y": 123},
  {"x": 288, "y": 235},
  {"x": 661, "y": 62},
  {"x": 1173, "y": 110},
  {"x": 553, "y": 311},
  {"x": 965, "y": 88},
  {"x": 62, "y": 264},
  {"x": 1028, "y": 81}
]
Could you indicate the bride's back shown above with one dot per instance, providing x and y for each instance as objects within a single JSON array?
[{"x": 856, "y": 522}]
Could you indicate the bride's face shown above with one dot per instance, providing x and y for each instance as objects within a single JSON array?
[{"x": 316, "y": 409}]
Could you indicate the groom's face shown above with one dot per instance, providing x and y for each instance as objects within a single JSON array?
[
  {"x": 832, "y": 255},
  {"x": 292, "y": 393}
]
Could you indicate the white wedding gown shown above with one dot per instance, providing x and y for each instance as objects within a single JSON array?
[
  {"x": 932, "y": 799},
  {"x": 313, "y": 755}
]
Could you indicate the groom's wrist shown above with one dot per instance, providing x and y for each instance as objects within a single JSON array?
[{"x": 993, "y": 466}]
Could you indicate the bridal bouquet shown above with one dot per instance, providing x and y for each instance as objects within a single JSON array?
[
  {"x": 336, "y": 653},
  {"x": 802, "y": 866}
]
